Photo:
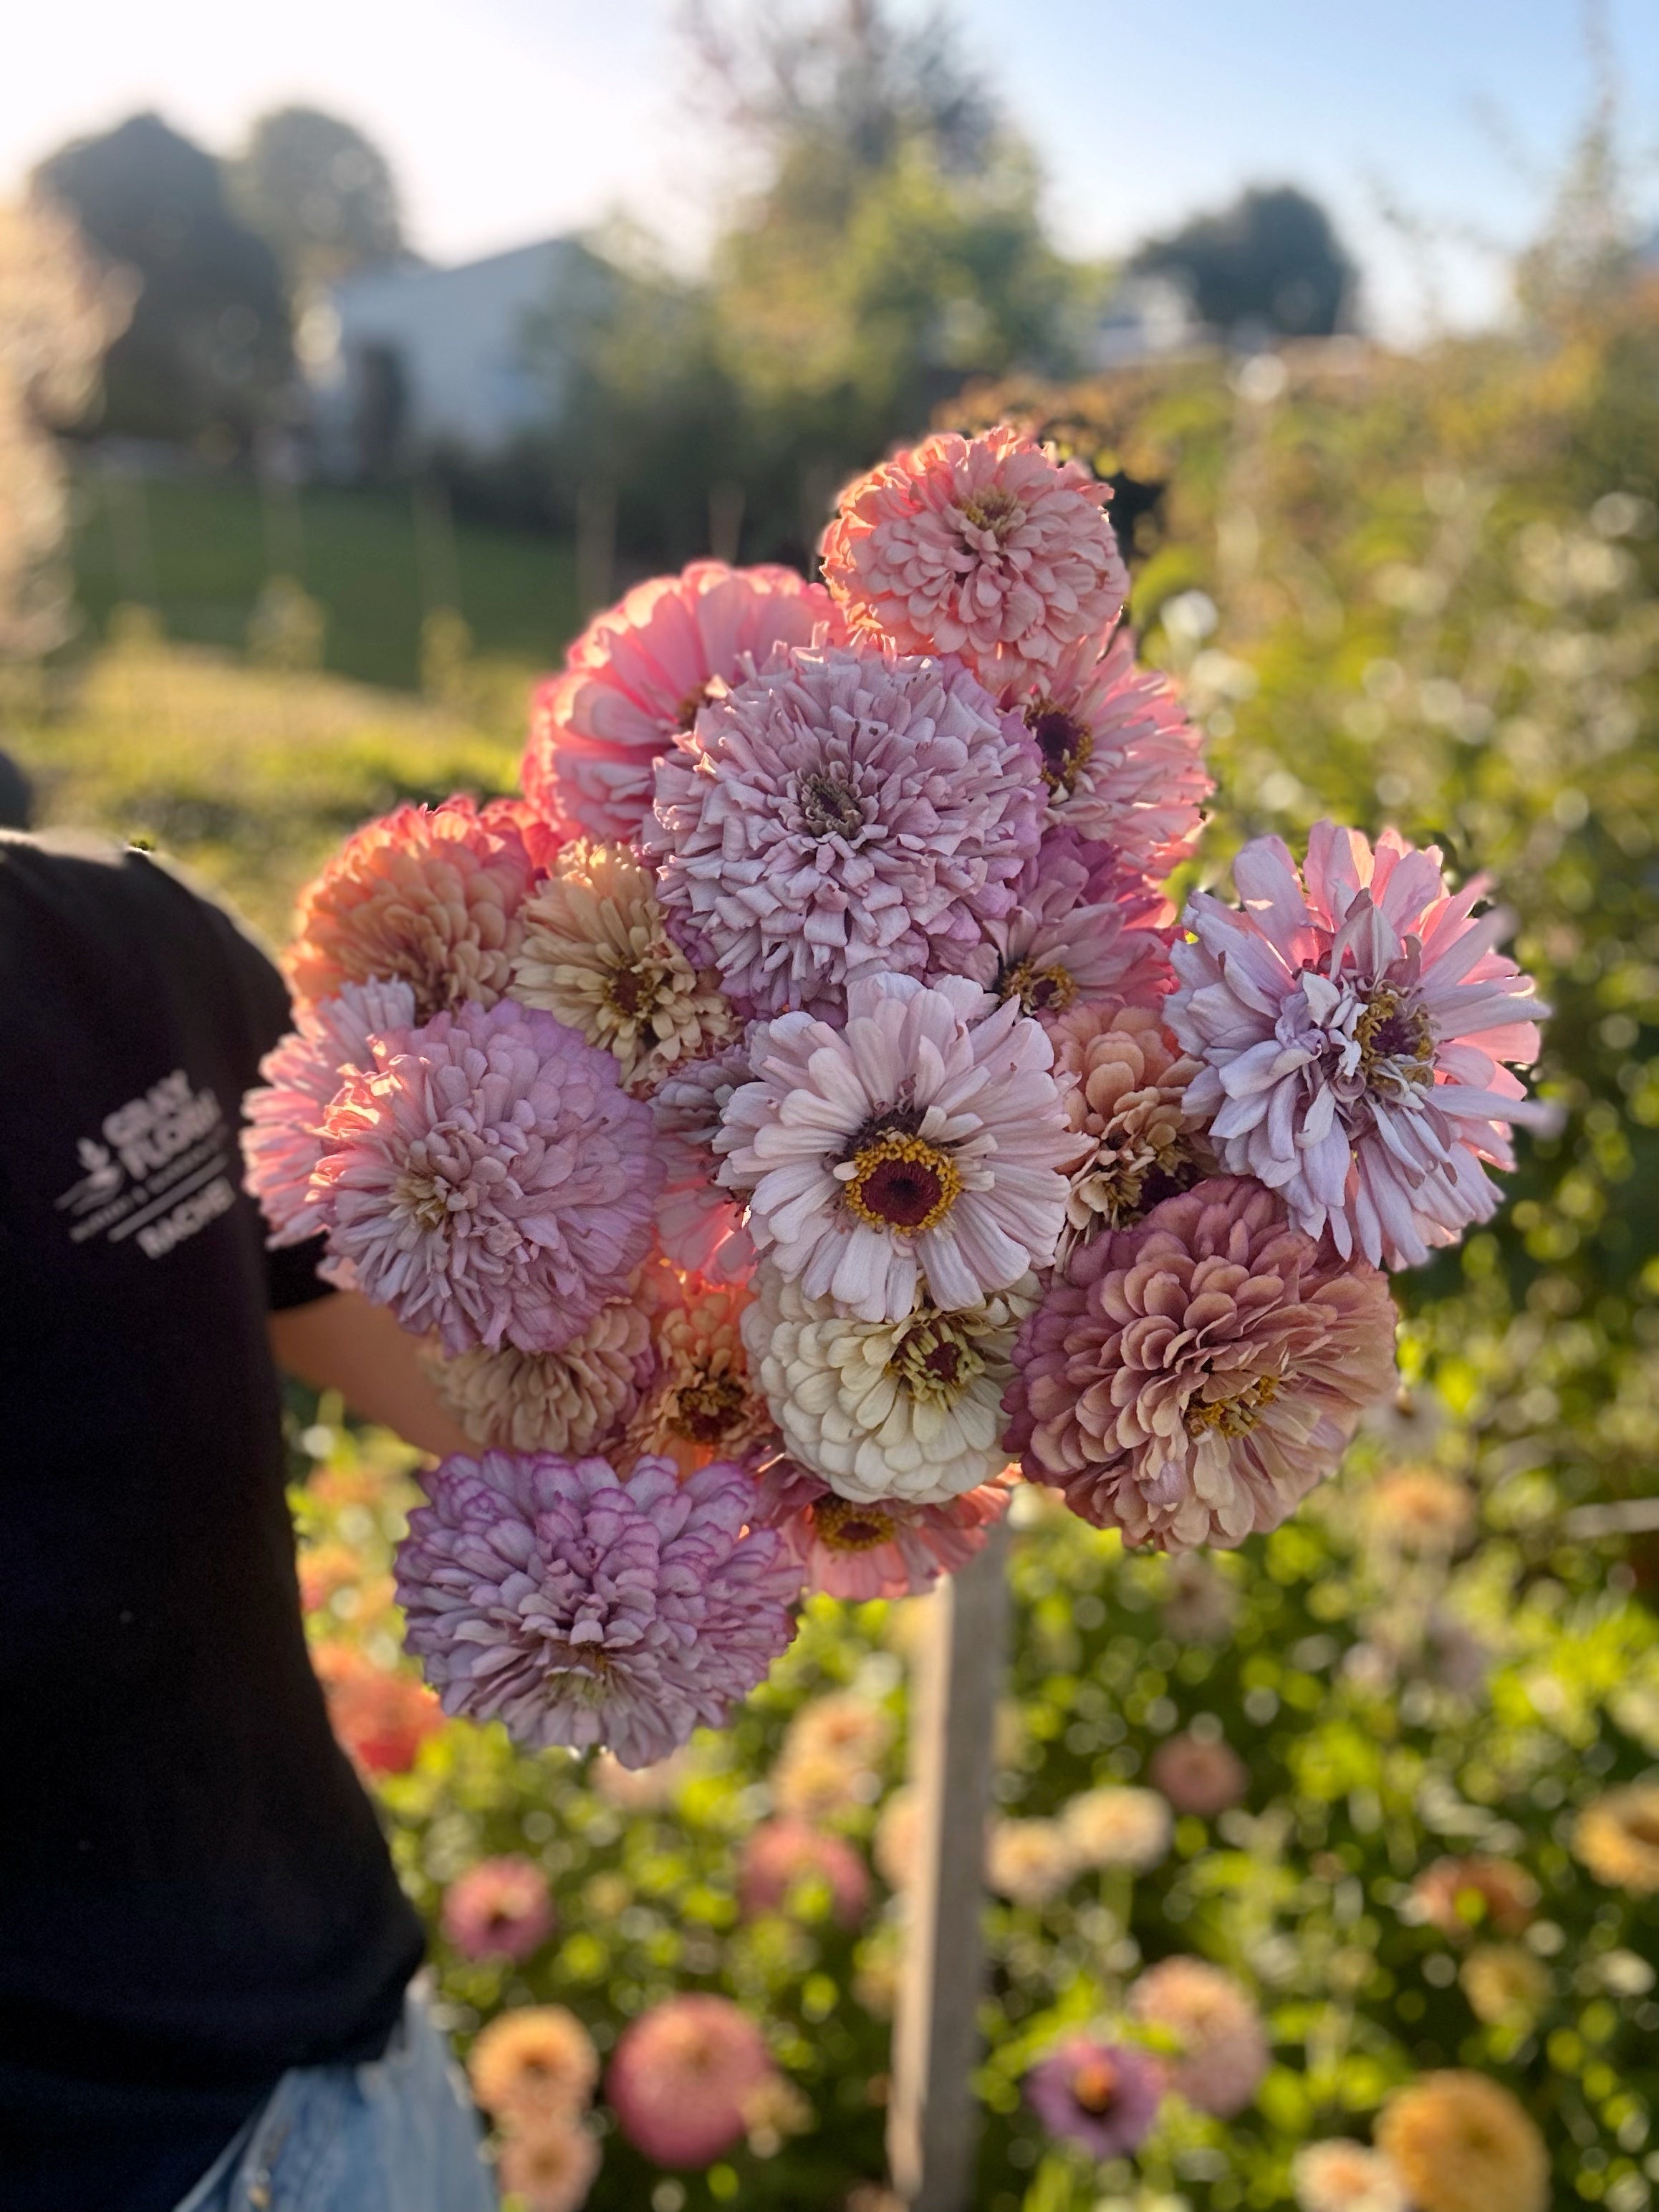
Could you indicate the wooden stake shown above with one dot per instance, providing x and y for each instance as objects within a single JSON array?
[{"x": 933, "y": 2126}]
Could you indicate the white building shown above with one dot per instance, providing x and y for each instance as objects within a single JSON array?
[{"x": 402, "y": 358}]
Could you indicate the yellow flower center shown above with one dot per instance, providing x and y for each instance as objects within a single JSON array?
[
  {"x": 845, "y": 1527},
  {"x": 1232, "y": 1416},
  {"x": 996, "y": 510},
  {"x": 424, "y": 1197},
  {"x": 1040, "y": 990},
  {"x": 934, "y": 1362},
  {"x": 1064, "y": 742},
  {"x": 1395, "y": 1039},
  {"x": 901, "y": 1182}
]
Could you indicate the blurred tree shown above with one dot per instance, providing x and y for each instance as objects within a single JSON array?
[
  {"x": 206, "y": 354},
  {"x": 321, "y": 196},
  {"x": 1271, "y": 262}
]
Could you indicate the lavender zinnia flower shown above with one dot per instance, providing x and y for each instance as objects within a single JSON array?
[
  {"x": 580, "y": 1609},
  {"x": 842, "y": 812},
  {"x": 282, "y": 1141},
  {"x": 1103, "y": 2096},
  {"x": 1355, "y": 1028},
  {"x": 489, "y": 1179}
]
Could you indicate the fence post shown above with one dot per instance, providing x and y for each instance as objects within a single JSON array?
[{"x": 933, "y": 2124}]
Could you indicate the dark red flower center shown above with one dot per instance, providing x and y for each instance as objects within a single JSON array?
[
  {"x": 1064, "y": 742},
  {"x": 828, "y": 807},
  {"x": 901, "y": 1182},
  {"x": 709, "y": 1408}
]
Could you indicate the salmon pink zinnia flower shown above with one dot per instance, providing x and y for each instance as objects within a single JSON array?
[
  {"x": 499, "y": 1909},
  {"x": 684, "y": 2077},
  {"x": 887, "y": 1549},
  {"x": 780, "y": 1854}
]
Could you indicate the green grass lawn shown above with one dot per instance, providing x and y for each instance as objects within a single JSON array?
[{"x": 199, "y": 550}]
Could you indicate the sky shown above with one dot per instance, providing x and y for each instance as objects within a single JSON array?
[{"x": 508, "y": 120}]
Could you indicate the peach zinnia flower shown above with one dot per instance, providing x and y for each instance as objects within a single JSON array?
[
  {"x": 703, "y": 1403},
  {"x": 1415, "y": 1509},
  {"x": 1118, "y": 1826},
  {"x": 1460, "y": 2142},
  {"x": 1339, "y": 2176},
  {"x": 534, "y": 2064},
  {"x": 1029, "y": 1862},
  {"x": 552, "y": 2168},
  {"x": 986, "y": 548},
  {"x": 1222, "y": 2046},
  {"x": 429, "y": 897},
  {"x": 1459, "y": 1896},
  {"x": 637, "y": 675},
  {"x": 1123, "y": 1081},
  {"x": 1617, "y": 1837},
  {"x": 556, "y": 1401},
  {"x": 684, "y": 2077}
]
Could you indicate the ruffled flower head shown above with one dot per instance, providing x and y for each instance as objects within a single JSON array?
[
  {"x": 597, "y": 954},
  {"x": 553, "y": 2168},
  {"x": 580, "y": 1609},
  {"x": 499, "y": 1909},
  {"x": 635, "y": 678},
  {"x": 841, "y": 813},
  {"x": 490, "y": 1180},
  {"x": 1029, "y": 1862},
  {"x": 1221, "y": 2047},
  {"x": 282, "y": 1138},
  {"x": 533, "y": 2065},
  {"x": 1121, "y": 762},
  {"x": 1465, "y": 1897},
  {"x": 1198, "y": 1774},
  {"x": 1118, "y": 1826},
  {"x": 780, "y": 1855},
  {"x": 703, "y": 1403},
  {"x": 1617, "y": 1837},
  {"x": 925, "y": 1139},
  {"x": 1355, "y": 1028},
  {"x": 556, "y": 1401},
  {"x": 1460, "y": 2142},
  {"x": 1339, "y": 2176},
  {"x": 1101, "y": 2096},
  {"x": 684, "y": 2078},
  {"x": 907, "y": 1411},
  {"x": 1193, "y": 1378},
  {"x": 986, "y": 548},
  {"x": 699, "y": 1225},
  {"x": 1124, "y": 1084},
  {"x": 429, "y": 896},
  {"x": 860, "y": 1552}
]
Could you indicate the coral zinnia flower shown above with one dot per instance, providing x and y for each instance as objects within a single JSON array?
[
  {"x": 430, "y": 895},
  {"x": 682, "y": 2078},
  {"x": 1222, "y": 2046},
  {"x": 580, "y": 1609},
  {"x": 532, "y": 2065},
  {"x": 1200, "y": 1774},
  {"x": 597, "y": 954},
  {"x": 842, "y": 812},
  {"x": 1121, "y": 762},
  {"x": 1101, "y": 2096},
  {"x": 1196, "y": 1375},
  {"x": 924, "y": 1138},
  {"x": 491, "y": 1179},
  {"x": 1460, "y": 2142},
  {"x": 1339, "y": 2176},
  {"x": 907, "y": 1411},
  {"x": 1617, "y": 1837},
  {"x": 700, "y": 1225},
  {"x": 556, "y": 1401},
  {"x": 639, "y": 672},
  {"x": 1461, "y": 1896},
  {"x": 380, "y": 1719},
  {"x": 1355, "y": 1031},
  {"x": 1124, "y": 1085},
  {"x": 887, "y": 1550},
  {"x": 282, "y": 1141},
  {"x": 983, "y": 547},
  {"x": 779, "y": 1855},
  {"x": 551, "y": 2169},
  {"x": 498, "y": 1909}
]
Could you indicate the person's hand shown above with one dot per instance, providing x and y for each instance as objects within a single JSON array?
[{"x": 344, "y": 1343}]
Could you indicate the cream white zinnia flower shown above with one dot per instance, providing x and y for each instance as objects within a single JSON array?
[{"x": 907, "y": 1409}]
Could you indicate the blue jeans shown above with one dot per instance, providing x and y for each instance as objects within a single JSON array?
[{"x": 397, "y": 2134}]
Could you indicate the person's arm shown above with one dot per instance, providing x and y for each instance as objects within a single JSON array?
[{"x": 344, "y": 1343}]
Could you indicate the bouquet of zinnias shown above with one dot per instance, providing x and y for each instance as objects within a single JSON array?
[{"x": 803, "y": 1102}]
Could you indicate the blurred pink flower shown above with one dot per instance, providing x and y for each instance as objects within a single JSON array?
[
  {"x": 637, "y": 675},
  {"x": 1221, "y": 2044},
  {"x": 780, "y": 1854},
  {"x": 683, "y": 2076},
  {"x": 887, "y": 1550},
  {"x": 985, "y": 548},
  {"x": 1200, "y": 1774},
  {"x": 1355, "y": 1028},
  {"x": 498, "y": 1909}
]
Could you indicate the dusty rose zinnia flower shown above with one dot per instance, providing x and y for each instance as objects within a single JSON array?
[
  {"x": 1355, "y": 1028},
  {"x": 1463, "y": 1896},
  {"x": 556, "y": 1401},
  {"x": 1339, "y": 2176},
  {"x": 1200, "y": 1774},
  {"x": 683, "y": 2077},
  {"x": 1460, "y": 2142},
  {"x": 985, "y": 547},
  {"x": 534, "y": 2064},
  {"x": 380, "y": 1719},
  {"x": 637, "y": 675},
  {"x": 1124, "y": 1084},
  {"x": 489, "y": 1179},
  {"x": 426, "y": 896},
  {"x": 1196, "y": 1375},
  {"x": 597, "y": 953},
  {"x": 553, "y": 2168},
  {"x": 699, "y": 1225},
  {"x": 1617, "y": 1837},
  {"x": 778, "y": 1855},
  {"x": 841, "y": 813},
  {"x": 703, "y": 1403},
  {"x": 1118, "y": 1826},
  {"x": 1084, "y": 930},
  {"x": 1101, "y": 2096},
  {"x": 580, "y": 1609},
  {"x": 282, "y": 1141},
  {"x": 1121, "y": 762},
  {"x": 499, "y": 1909},
  {"x": 924, "y": 1140},
  {"x": 1222, "y": 2047},
  {"x": 886, "y": 1550}
]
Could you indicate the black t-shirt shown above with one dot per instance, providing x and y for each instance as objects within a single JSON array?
[{"x": 194, "y": 1892}]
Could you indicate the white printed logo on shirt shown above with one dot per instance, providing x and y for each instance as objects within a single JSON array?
[{"x": 160, "y": 1174}]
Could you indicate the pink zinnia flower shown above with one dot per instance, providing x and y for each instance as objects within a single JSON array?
[
  {"x": 1084, "y": 930},
  {"x": 780, "y": 1854},
  {"x": 924, "y": 1138},
  {"x": 430, "y": 895},
  {"x": 282, "y": 1141},
  {"x": 1103, "y": 2096},
  {"x": 888, "y": 1549},
  {"x": 840, "y": 813},
  {"x": 1200, "y": 1774},
  {"x": 1222, "y": 2044},
  {"x": 700, "y": 1225},
  {"x": 1121, "y": 762},
  {"x": 489, "y": 1179},
  {"x": 1355, "y": 1030},
  {"x": 499, "y": 1909},
  {"x": 637, "y": 675},
  {"x": 1198, "y": 1374},
  {"x": 983, "y": 547},
  {"x": 580, "y": 1609},
  {"x": 684, "y": 2077}
]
